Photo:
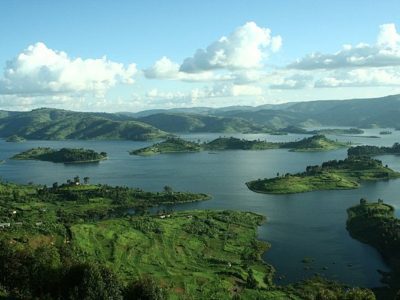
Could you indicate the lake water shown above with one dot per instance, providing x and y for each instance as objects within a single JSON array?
[{"x": 298, "y": 226}]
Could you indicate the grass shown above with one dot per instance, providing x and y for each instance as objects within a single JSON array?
[{"x": 191, "y": 251}]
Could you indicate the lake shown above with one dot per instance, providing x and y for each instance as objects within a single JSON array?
[{"x": 298, "y": 226}]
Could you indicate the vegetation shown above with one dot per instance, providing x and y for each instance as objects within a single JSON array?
[
  {"x": 56, "y": 124},
  {"x": 15, "y": 139},
  {"x": 375, "y": 224},
  {"x": 373, "y": 150},
  {"x": 64, "y": 155},
  {"x": 171, "y": 145},
  {"x": 331, "y": 175}
]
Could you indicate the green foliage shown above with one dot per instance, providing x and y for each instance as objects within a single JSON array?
[{"x": 144, "y": 289}]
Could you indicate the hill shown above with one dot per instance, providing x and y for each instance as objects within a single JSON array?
[
  {"x": 179, "y": 122},
  {"x": 56, "y": 124}
]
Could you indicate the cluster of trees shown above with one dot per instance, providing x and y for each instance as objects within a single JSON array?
[{"x": 42, "y": 273}]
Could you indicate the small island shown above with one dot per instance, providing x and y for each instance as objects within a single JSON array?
[
  {"x": 15, "y": 139},
  {"x": 232, "y": 143},
  {"x": 315, "y": 143},
  {"x": 331, "y": 175},
  {"x": 178, "y": 145},
  {"x": 335, "y": 131},
  {"x": 385, "y": 132},
  {"x": 373, "y": 150},
  {"x": 171, "y": 145},
  {"x": 64, "y": 155}
]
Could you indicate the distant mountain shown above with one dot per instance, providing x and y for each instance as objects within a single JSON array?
[
  {"x": 179, "y": 122},
  {"x": 56, "y": 124},
  {"x": 364, "y": 113}
]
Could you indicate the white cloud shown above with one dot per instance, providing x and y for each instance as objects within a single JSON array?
[
  {"x": 293, "y": 82},
  {"x": 43, "y": 71},
  {"x": 164, "y": 68},
  {"x": 385, "y": 52},
  {"x": 361, "y": 77},
  {"x": 245, "y": 48}
]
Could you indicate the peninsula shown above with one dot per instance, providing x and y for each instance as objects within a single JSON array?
[
  {"x": 81, "y": 237},
  {"x": 331, "y": 175}
]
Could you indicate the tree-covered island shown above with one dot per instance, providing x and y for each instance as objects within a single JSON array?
[
  {"x": 178, "y": 145},
  {"x": 64, "y": 155},
  {"x": 331, "y": 175}
]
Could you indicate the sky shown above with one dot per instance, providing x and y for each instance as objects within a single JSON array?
[{"x": 137, "y": 55}]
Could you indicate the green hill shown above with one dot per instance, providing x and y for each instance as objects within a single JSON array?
[
  {"x": 55, "y": 124},
  {"x": 331, "y": 175},
  {"x": 179, "y": 122}
]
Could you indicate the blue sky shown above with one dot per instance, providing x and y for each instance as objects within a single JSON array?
[{"x": 52, "y": 52}]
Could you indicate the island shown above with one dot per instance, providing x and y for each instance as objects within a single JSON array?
[
  {"x": 373, "y": 150},
  {"x": 331, "y": 175},
  {"x": 170, "y": 145},
  {"x": 375, "y": 223},
  {"x": 15, "y": 139},
  {"x": 74, "y": 239},
  {"x": 231, "y": 143},
  {"x": 64, "y": 155},
  {"x": 315, "y": 143},
  {"x": 385, "y": 132},
  {"x": 178, "y": 145},
  {"x": 335, "y": 131}
]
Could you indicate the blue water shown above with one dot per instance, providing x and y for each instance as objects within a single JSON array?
[{"x": 298, "y": 226}]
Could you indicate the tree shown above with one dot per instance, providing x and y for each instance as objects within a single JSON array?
[
  {"x": 168, "y": 189},
  {"x": 77, "y": 179},
  {"x": 86, "y": 180},
  {"x": 90, "y": 282},
  {"x": 251, "y": 281},
  {"x": 144, "y": 289}
]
